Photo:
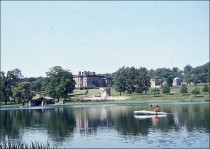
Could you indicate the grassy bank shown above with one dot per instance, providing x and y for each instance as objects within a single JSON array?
[{"x": 77, "y": 97}]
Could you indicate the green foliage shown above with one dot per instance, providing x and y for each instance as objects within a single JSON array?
[
  {"x": 58, "y": 83},
  {"x": 205, "y": 88},
  {"x": 86, "y": 92},
  {"x": 165, "y": 89},
  {"x": 129, "y": 79},
  {"x": 164, "y": 74},
  {"x": 155, "y": 91},
  {"x": 21, "y": 92},
  {"x": 196, "y": 91},
  {"x": 183, "y": 89},
  {"x": 197, "y": 75},
  {"x": 108, "y": 90},
  {"x": 36, "y": 84},
  {"x": 187, "y": 69},
  {"x": 8, "y": 80}
]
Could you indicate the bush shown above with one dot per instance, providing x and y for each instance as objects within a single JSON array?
[
  {"x": 165, "y": 89},
  {"x": 155, "y": 91},
  {"x": 183, "y": 89},
  {"x": 86, "y": 92},
  {"x": 205, "y": 88},
  {"x": 196, "y": 91},
  {"x": 108, "y": 90}
]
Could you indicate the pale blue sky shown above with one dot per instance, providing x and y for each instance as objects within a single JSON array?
[{"x": 103, "y": 36}]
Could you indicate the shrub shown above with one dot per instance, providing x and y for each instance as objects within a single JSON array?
[
  {"x": 155, "y": 91},
  {"x": 196, "y": 91},
  {"x": 86, "y": 92},
  {"x": 183, "y": 89},
  {"x": 108, "y": 90},
  {"x": 165, "y": 89},
  {"x": 205, "y": 88}
]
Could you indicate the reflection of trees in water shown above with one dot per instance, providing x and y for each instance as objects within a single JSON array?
[
  {"x": 11, "y": 123},
  {"x": 61, "y": 123},
  {"x": 58, "y": 123},
  {"x": 126, "y": 123}
]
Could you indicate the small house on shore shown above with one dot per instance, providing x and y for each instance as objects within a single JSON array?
[{"x": 41, "y": 101}]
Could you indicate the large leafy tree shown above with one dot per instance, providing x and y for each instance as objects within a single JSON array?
[
  {"x": 187, "y": 68},
  {"x": 8, "y": 80},
  {"x": 177, "y": 72},
  {"x": 120, "y": 80},
  {"x": 164, "y": 74},
  {"x": 130, "y": 79},
  {"x": 21, "y": 92},
  {"x": 142, "y": 80},
  {"x": 35, "y": 83},
  {"x": 196, "y": 75},
  {"x": 58, "y": 83}
]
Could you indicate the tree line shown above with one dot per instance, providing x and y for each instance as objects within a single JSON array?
[
  {"x": 131, "y": 79},
  {"x": 59, "y": 82}
]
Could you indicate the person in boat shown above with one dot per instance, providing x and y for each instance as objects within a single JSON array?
[{"x": 157, "y": 109}]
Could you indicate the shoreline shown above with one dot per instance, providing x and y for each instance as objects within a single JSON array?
[{"x": 103, "y": 102}]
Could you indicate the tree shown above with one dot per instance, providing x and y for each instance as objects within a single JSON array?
[
  {"x": 187, "y": 69},
  {"x": 7, "y": 81},
  {"x": 130, "y": 79},
  {"x": 155, "y": 91},
  {"x": 183, "y": 89},
  {"x": 142, "y": 80},
  {"x": 21, "y": 91},
  {"x": 36, "y": 84},
  {"x": 58, "y": 83},
  {"x": 165, "y": 89},
  {"x": 164, "y": 74},
  {"x": 120, "y": 80},
  {"x": 205, "y": 88},
  {"x": 195, "y": 91},
  {"x": 197, "y": 75},
  {"x": 176, "y": 72}
]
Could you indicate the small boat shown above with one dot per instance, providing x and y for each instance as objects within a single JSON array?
[
  {"x": 148, "y": 116},
  {"x": 145, "y": 112}
]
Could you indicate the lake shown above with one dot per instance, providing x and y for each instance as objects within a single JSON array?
[{"x": 109, "y": 126}]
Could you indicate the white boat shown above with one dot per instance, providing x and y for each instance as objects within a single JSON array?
[
  {"x": 145, "y": 112},
  {"x": 148, "y": 116}
]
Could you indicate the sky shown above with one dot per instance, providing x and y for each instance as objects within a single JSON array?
[{"x": 103, "y": 36}]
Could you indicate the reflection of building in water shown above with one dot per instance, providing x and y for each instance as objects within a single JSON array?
[
  {"x": 87, "y": 121},
  {"x": 82, "y": 123},
  {"x": 177, "y": 119},
  {"x": 103, "y": 115}
]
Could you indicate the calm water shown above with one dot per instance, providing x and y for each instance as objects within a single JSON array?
[{"x": 186, "y": 126}]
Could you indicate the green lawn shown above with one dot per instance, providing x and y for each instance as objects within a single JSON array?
[{"x": 77, "y": 95}]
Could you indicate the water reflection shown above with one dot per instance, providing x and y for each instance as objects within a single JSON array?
[{"x": 61, "y": 124}]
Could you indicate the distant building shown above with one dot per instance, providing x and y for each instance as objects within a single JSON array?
[
  {"x": 177, "y": 82},
  {"x": 41, "y": 101},
  {"x": 89, "y": 79},
  {"x": 154, "y": 84}
]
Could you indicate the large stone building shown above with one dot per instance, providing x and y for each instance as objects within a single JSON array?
[{"x": 89, "y": 79}]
